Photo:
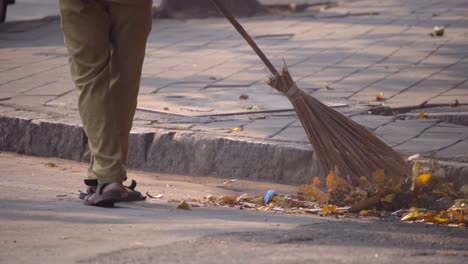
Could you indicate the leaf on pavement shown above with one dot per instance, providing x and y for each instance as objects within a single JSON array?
[
  {"x": 236, "y": 129},
  {"x": 412, "y": 214},
  {"x": 379, "y": 97},
  {"x": 422, "y": 116},
  {"x": 184, "y": 206},
  {"x": 243, "y": 97},
  {"x": 325, "y": 210}
]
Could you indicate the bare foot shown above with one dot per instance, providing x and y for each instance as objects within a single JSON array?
[{"x": 116, "y": 186}]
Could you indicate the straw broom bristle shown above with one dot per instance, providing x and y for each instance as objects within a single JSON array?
[{"x": 339, "y": 141}]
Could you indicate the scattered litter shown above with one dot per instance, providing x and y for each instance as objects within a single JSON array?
[
  {"x": 422, "y": 116},
  {"x": 254, "y": 107},
  {"x": 159, "y": 196},
  {"x": 232, "y": 180},
  {"x": 414, "y": 157},
  {"x": 455, "y": 103},
  {"x": 236, "y": 129},
  {"x": 379, "y": 97},
  {"x": 243, "y": 97},
  {"x": 184, "y": 206},
  {"x": 268, "y": 196},
  {"x": 438, "y": 31},
  {"x": 50, "y": 165}
]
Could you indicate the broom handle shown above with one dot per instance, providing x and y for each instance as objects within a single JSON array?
[{"x": 246, "y": 36}]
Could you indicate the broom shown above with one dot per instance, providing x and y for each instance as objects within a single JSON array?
[{"x": 338, "y": 141}]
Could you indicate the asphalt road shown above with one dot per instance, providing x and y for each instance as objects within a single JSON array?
[{"x": 43, "y": 221}]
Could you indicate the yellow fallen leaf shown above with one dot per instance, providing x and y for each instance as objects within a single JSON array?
[
  {"x": 236, "y": 129},
  {"x": 412, "y": 214},
  {"x": 423, "y": 179},
  {"x": 334, "y": 209},
  {"x": 364, "y": 212},
  {"x": 325, "y": 210},
  {"x": 422, "y": 115},
  {"x": 440, "y": 220},
  {"x": 183, "y": 206}
]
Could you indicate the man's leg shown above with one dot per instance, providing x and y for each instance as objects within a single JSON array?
[
  {"x": 131, "y": 25},
  {"x": 86, "y": 26}
]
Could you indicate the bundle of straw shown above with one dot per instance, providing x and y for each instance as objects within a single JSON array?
[{"x": 338, "y": 141}]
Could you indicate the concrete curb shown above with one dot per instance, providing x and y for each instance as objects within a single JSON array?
[
  {"x": 170, "y": 151},
  {"x": 183, "y": 152}
]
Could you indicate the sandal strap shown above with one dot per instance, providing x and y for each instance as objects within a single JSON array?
[
  {"x": 91, "y": 182},
  {"x": 132, "y": 185}
]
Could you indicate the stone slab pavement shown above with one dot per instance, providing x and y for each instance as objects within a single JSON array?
[
  {"x": 43, "y": 221},
  {"x": 196, "y": 71}
]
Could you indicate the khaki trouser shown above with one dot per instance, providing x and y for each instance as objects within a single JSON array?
[{"x": 106, "y": 42}]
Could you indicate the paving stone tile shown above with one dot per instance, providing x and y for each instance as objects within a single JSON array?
[
  {"x": 296, "y": 134},
  {"x": 28, "y": 101},
  {"x": 400, "y": 131},
  {"x": 459, "y": 151},
  {"x": 372, "y": 121},
  {"x": 266, "y": 128}
]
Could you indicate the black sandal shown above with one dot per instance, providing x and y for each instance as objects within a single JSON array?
[
  {"x": 103, "y": 199},
  {"x": 133, "y": 195}
]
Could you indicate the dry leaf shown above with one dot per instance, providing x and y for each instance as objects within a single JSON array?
[
  {"x": 379, "y": 97},
  {"x": 166, "y": 108},
  {"x": 412, "y": 214},
  {"x": 184, "y": 206},
  {"x": 325, "y": 210},
  {"x": 50, "y": 164},
  {"x": 331, "y": 182},
  {"x": 228, "y": 200},
  {"x": 422, "y": 115},
  {"x": 334, "y": 209},
  {"x": 311, "y": 193},
  {"x": 455, "y": 103},
  {"x": 236, "y": 129},
  {"x": 243, "y": 97},
  {"x": 440, "y": 220},
  {"x": 423, "y": 179},
  {"x": 316, "y": 181},
  {"x": 379, "y": 177},
  {"x": 429, "y": 217},
  {"x": 253, "y": 108},
  {"x": 159, "y": 196},
  {"x": 232, "y": 180},
  {"x": 364, "y": 212},
  {"x": 389, "y": 198}
]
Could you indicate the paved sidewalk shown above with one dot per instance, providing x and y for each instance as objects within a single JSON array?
[{"x": 196, "y": 70}]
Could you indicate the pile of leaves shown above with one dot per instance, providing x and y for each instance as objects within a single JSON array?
[{"x": 426, "y": 196}]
